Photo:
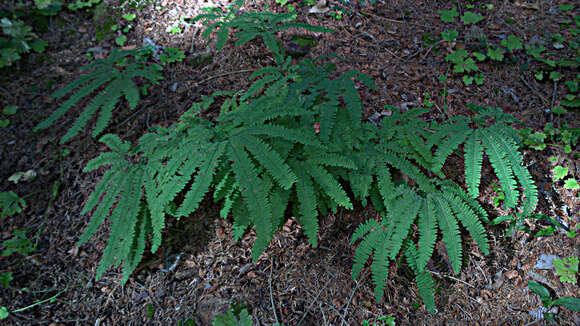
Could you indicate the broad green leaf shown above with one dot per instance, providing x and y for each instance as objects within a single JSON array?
[
  {"x": 448, "y": 15},
  {"x": 471, "y": 18},
  {"x": 495, "y": 54},
  {"x": 512, "y": 43},
  {"x": 449, "y": 35},
  {"x": 560, "y": 172},
  {"x": 568, "y": 302},
  {"x": 540, "y": 290},
  {"x": 10, "y": 110},
  {"x": 571, "y": 184}
]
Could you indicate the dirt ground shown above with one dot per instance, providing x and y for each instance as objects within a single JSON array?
[{"x": 200, "y": 269}]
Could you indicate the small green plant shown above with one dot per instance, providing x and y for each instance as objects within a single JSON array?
[
  {"x": 561, "y": 172},
  {"x": 171, "y": 55},
  {"x": 17, "y": 39},
  {"x": 123, "y": 29},
  {"x": 567, "y": 268},
  {"x": 10, "y": 204},
  {"x": 116, "y": 73},
  {"x": 19, "y": 243},
  {"x": 383, "y": 321},
  {"x": 7, "y": 111},
  {"x": 83, "y": 4},
  {"x": 548, "y": 302},
  {"x": 229, "y": 318},
  {"x": 471, "y": 18},
  {"x": 251, "y": 25},
  {"x": 448, "y": 16},
  {"x": 500, "y": 195}
]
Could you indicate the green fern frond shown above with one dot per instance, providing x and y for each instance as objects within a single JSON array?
[
  {"x": 522, "y": 174},
  {"x": 470, "y": 221},
  {"x": 203, "y": 179},
  {"x": 329, "y": 184},
  {"x": 403, "y": 216},
  {"x": 271, "y": 160},
  {"x": 254, "y": 196},
  {"x": 450, "y": 230},
  {"x": 447, "y": 147},
  {"x": 427, "y": 227},
  {"x": 425, "y": 283},
  {"x": 307, "y": 205},
  {"x": 407, "y": 168},
  {"x": 370, "y": 232},
  {"x": 501, "y": 165},
  {"x": 473, "y": 163},
  {"x": 380, "y": 266},
  {"x": 117, "y": 81},
  {"x": 98, "y": 81}
]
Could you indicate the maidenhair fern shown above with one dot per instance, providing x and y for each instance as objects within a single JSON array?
[
  {"x": 112, "y": 78},
  {"x": 251, "y": 25},
  {"x": 295, "y": 141}
]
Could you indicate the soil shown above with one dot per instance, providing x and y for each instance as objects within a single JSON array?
[{"x": 200, "y": 270}]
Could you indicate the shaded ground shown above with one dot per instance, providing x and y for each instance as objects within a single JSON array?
[{"x": 292, "y": 283}]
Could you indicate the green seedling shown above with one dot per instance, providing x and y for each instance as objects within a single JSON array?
[
  {"x": 171, "y": 55},
  {"x": 10, "y": 204},
  {"x": 448, "y": 16},
  {"x": 122, "y": 30},
  {"x": 471, "y": 18},
  {"x": 18, "y": 244},
  {"x": 567, "y": 268},
  {"x": 426, "y": 101},
  {"x": 495, "y": 54},
  {"x": 560, "y": 172},
  {"x": 569, "y": 302},
  {"x": 500, "y": 195},
  {"x": 16, "y": 39},
  {"x": 383, "y": 321},
  {"x": 512, "y": 43},
  {"x": 7, "y": 111},
  {"x": 449, "y": 35},
  {"x": 571, "y": 184}
]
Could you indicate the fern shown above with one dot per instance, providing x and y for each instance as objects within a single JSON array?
[
  {"x": 295, "y": 140},
  {"x": 115, "y": 73},
  {"x": 251, "y": 25}
]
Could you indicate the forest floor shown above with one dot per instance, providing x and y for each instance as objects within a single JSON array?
[{"x": 397, "y": 43}]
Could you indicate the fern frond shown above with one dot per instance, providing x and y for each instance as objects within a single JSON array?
[
  {"x": 123, "y": 220},
  {"x": 409, "y": 169},
  {"x": 329, "y": 184},
  {"x": 425, "y": 283},
  {"x": 426, "y": 287},
  {"x": 522, "y": 174},
  {"x": 380, "y": 266},
  {"x": 135, "y": 255},
  {"x": 118, "y": 83},
  {"x": 427, "y": 225},
  {"x": 473, "y": 162},
  {"x": 371, "y": 234},
  {"x": 501, "y": 165},
  {"x": 403, "y": 216},
  {"x": 270, "y": 160},
  {"x": 450, "y": 230},
  {"x": 307, "y": 205},
  {"x": 254, "y": 196},
  {"x": 470, "y": 221},
  {"x": 202, "y": 181},
  {"x": 65, "y": 106},
  {"x": 447, "y": 147}
]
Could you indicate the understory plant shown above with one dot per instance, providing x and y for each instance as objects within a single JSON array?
[
  {"x": 294, "y": 143},
  {"x": 115, "y": 73}
]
